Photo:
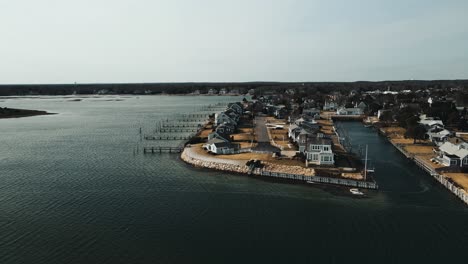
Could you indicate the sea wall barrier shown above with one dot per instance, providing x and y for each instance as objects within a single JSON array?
[
  {"x": 457, "y": 191},
  {"x": 197, "y": 160}
]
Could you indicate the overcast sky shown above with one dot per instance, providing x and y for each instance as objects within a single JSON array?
[{"x": 88, "y": 41}]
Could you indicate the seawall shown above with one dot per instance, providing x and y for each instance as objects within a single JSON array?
[
  {"x": 301, "y": 175},
  {"x": 459, "y": 192}
]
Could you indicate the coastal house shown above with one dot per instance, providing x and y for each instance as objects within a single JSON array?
[
  {"x": 217, "y": 135},
  {"x": 454, "y": 155},
  {"x": 430, "y": 123},
  {"x": 349, "y": 111},
  {"x": 223, "y": 117},
  {"x": 292, "y": 131},
  {"x": 232, "y": 114},
  {"x": 217, "y": 147},
  {"x": 237, "y": 107},
  {"x": 438, "y": 135},
  {"x": 330, "y": 106},
  {"x": 212, "y": 91},
  {"x": 234, "y": 92},
  {"x": 223, "y": 91},
  {"x": 319, "y": 151},
  {"x": 312, "y": 112},
  {"x": 280, "y": 111},
  {"x": 226, "y": 128},
  {"x": 362, "y": 106}
]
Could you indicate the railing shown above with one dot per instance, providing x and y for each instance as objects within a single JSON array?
[{"x": 316, "y": 179}]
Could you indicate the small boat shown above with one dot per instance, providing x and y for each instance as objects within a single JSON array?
[
  {"x": 356, "y": 191},
  {"x": 367, "y": 125},
  {"x": 311, "y": 182}
]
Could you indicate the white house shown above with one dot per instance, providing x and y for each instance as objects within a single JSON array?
[
  {"x": 330, "y": 106},
  {"x": 349, "y": 111},
  {"x": 319, "y": 151},
  {"x": 454, "y": 155},
  {"x": 438, "y": 135}
]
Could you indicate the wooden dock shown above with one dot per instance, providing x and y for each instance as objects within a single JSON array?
[
  {"x": 161, "y": 137},
  {"x": 160, "y": 149}
]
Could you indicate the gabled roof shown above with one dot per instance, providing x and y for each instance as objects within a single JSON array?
[
  {"x": 293, "y": 126},
  {"x": 214, "y": 141},
  {"x": 222, "y": 136},
  {"x": 319, "y": 141},
  {"x": 452, "y": 149},
  {"x": 226, "y": 145}
]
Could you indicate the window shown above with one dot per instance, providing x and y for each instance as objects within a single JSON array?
[
  {"x": 315, "y": 157},
  {"x": 315, "y": 147},
  {"x": 325, "y": 148}
]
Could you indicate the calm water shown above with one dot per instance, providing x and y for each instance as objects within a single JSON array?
[{"x": 72, "y": 191}]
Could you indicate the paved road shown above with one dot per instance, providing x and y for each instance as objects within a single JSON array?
[
  {"x": 261, "y": 130},
  {"x": 262, "y": 136}
]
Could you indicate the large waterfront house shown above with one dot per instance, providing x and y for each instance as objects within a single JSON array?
[
  {"x": 226, "y": 128},
  {"x": 319, "y": 151},
  {"x": 454, "y": 154},
  {"x": 430, "y": 122},
  {"x": 438, "y": 135},
  {"x": 217, "y": 146},
  {"x": 349, "y": 111},
  {"x": 223, "y": 117}
]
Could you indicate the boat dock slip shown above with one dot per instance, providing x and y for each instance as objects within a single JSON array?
[
  {"x": 160, "y": 149},
  {"x": 175, "y": 130},
  {"x": 158, "y": 137}
]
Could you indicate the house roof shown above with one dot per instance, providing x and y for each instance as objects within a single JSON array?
[
  {"x": 226, "y": 145},
  {"x": 224, "y": 136},
  {"x": 293, "y": 126},
  {"x": 214, "y": 141},
  {"x": 453, "y": 149},
  {"x": 431, "y": 122},
  {"x": 319, "y": 141}
]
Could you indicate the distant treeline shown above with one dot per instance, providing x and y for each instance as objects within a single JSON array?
[{"x": 203, "y": 88}]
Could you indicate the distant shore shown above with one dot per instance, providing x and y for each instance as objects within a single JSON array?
[{"x": 17, "y": 113}]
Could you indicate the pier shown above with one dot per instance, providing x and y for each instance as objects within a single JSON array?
[
  {"x": 159, "y": 137},
  {"x": 161, "y": 149}
]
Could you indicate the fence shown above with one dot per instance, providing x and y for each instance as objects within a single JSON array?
[
  {"x": 315, "y": 179},
  {"x": 459, "y": 192}
]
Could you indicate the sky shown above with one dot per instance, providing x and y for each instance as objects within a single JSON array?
[{"x": 115, "y": 41}]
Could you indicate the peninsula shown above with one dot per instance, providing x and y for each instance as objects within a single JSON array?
[{"x": 16, "y": 113}]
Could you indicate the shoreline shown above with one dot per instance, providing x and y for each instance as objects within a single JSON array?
[
  {"x": 240, "y": 167},
  {"x": 7, "y": 113},
  {"x": 459, "y": 192}
]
